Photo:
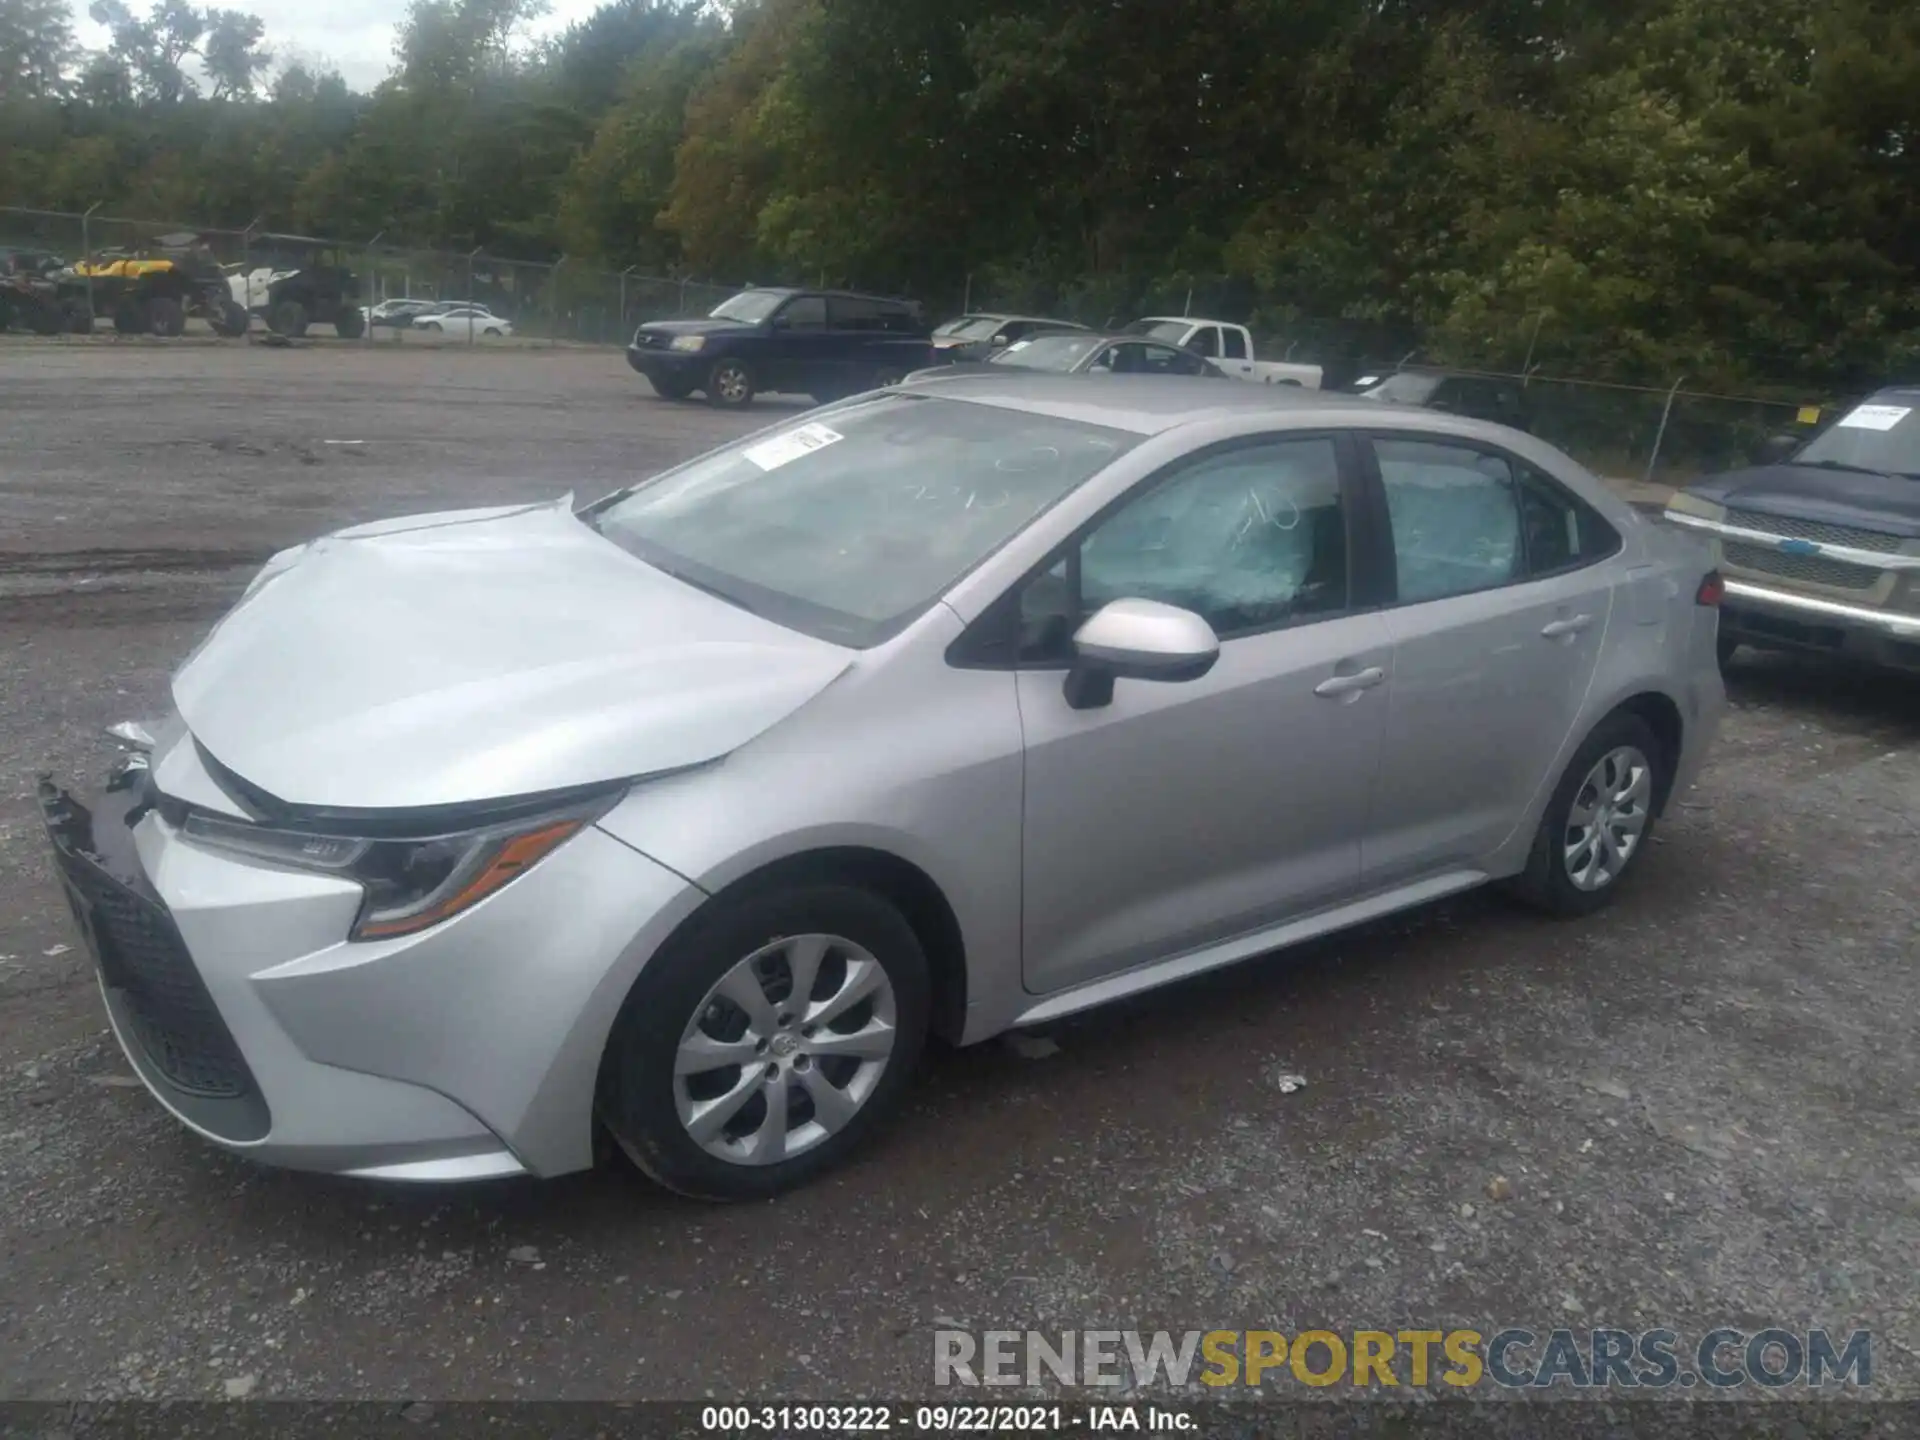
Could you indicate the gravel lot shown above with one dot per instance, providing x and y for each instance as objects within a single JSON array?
[{"x": 1702, "y": 1101}]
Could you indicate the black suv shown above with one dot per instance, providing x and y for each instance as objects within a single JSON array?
[{"x": 822, "y": 343}]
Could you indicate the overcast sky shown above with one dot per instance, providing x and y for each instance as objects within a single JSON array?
[{"x": 353, "y": 36}]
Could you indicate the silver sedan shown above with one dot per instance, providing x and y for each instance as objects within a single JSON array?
[{"x": 686, "y": 817}]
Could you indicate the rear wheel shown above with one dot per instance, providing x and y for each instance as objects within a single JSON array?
[
  {"x": 47, "y": 319},
  {"x": 1598, "y": 821},
  {"x": 231, "y": 318},
  {"x": 1724, "y": 647},
  {"x": 730, "y": 385},
  {"x": 765, "y": 1042},
  {"x": 289, "y": 318},
  {"x": 165, "y": 317},
  {"x": 130, "y": 318},
  {"x": 79, "y": 317},
  {"x": 349, "y": 323}
]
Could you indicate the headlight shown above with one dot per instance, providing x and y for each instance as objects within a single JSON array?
[
  {"x": 410, "y": 884},
  {"x": 688, "y": 342},
  {"x": 1684, "y": 503}
]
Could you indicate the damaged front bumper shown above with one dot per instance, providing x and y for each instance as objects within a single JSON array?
[
  {"x": 197, "y": 1035},
  {"x": 467, "y": 1050}
]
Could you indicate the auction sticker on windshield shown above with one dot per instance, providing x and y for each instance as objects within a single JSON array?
[
  {"x": 784, "y": 449},
  {"x": 1875, "y": 417}
]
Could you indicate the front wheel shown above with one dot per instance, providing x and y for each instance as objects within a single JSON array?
[
  {"x": 670, "y": 389},
  {"x": 766, "y": 1041},
  {"x": 166, "y": 317},
  {"x": 730, "y": 385},
  {"x": 289, "y": 318},
  {"x": 1598, "y": 821},
  {"x": 349, "y": 323}
]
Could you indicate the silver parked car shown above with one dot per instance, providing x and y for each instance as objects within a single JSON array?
[{"x": 946, "y": 709}]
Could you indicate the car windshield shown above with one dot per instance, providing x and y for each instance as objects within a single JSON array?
[
  {"x": 1404, "y": 389},
  {"x": 975, "y": 329},
  {"x": 1171, "y": 331},
  {"x": 1882, "y": 436},
  {"x": 749, "y": 306},
  {"x": 847, "y": 526},
  {"x": 1047, "y": 352}
]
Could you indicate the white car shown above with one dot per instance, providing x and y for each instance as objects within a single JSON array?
[{"x": 466, "y": 321}]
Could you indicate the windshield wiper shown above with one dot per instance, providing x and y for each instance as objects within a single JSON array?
[{"x": 1850, "y": 469}]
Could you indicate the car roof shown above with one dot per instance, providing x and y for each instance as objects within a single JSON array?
[
  {"x": 1142, "y": 404},
  {"x": 830, "y": 294}
]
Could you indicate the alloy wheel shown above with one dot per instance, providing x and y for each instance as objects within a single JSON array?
[
  {"x": 731, "y": 381},
  {"x": 1608, "y": 818},
  {"x": 785, "y": 1049}
]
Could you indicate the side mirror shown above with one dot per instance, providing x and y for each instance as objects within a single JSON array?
[
  {"x": 1778, "y": 448},
  {"x": 1137, "y": 640}
]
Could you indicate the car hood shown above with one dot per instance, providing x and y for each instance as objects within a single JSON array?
[
  {"x": 1889, "y": 504},
  {"x": 482, "y": 655},
  {"x": 694, "y": 327}
]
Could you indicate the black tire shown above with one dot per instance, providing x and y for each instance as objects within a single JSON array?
[
  {"x": 670, "y": 389},
  {"x": 47, "y": 319},
  {"x": 288, "y": 318},
  {"x": 1723, "y": 648},
  {"x": 349, "y": 323},
  {"x": 79, "y": 318},
  {"x": 130, "y": 318},
  {"x": 887, "y": 375},
  {"x": 730, "y": 384},
  {"x": 231, "y": 318},
  {"x": 1547, "y": 884},
  {"x": 637, "y": 1094},
  {"x": 165, "y": 317}
]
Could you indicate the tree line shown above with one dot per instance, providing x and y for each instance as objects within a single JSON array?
[{"x": 1636, "y": 188}]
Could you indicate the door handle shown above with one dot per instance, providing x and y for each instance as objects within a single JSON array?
[
  {"x": 1335, "y": 686},
  {"x": 1555, "y": 629}
]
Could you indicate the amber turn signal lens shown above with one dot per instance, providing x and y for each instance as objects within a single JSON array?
[{"x": 499, "y": 866}]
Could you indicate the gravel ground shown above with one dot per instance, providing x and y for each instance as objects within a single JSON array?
[{"x": 1700, "y": 1102}]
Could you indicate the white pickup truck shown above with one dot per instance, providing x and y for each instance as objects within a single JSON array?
[{"x": 1228, "y": 346}]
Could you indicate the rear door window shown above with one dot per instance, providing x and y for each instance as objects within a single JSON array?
[{"x": 1455, "y": 517}]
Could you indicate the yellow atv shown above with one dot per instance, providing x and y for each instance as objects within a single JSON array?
[{"x": 153, "y": 290}]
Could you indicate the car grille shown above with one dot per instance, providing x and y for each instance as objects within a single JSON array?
[
  {"x": 1816, "y": 530},
  {"x": 1812, "y": 569},
  {"x": 174, "y": 1019}
]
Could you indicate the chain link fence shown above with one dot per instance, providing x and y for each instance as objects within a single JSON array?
[
  {"x": 558, "y": 302},
  {"x": 1642, "y": 432}
]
